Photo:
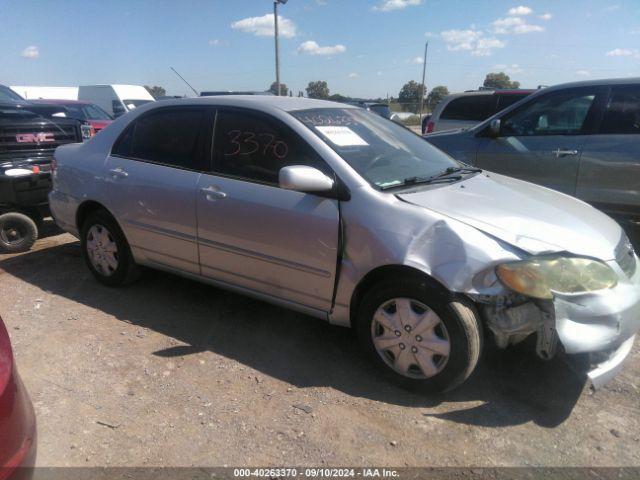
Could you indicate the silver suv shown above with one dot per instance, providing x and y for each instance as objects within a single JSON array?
[
  {"x": 333, "y": 211},
  {"x": 466, "y": 110},
  {"x": 582, "y": 139}
]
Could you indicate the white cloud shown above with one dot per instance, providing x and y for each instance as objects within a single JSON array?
[
  {"x": 264, "y": 26},
  {"x": 216, "y": 42},
  {"x": 471, "y": 40},
  {"x": 417, "y": 60},
  {"x": 312, "y": 48},
  {"x": 485, "y": 46},
  {"x": 583, "y": 73},
  {"x": 504, "y": 26},
  {"x": 389, "y": 5},
  {"x": 624, "y": 52},
  {"x": 620, "y": 52},
  {"x": 511, "y": 69},
  {"x": 353, "y": 75},
  {"x": 379, "y": 73},
  {"x": 31, "y": 52},
  {"x": 520, "y": 11},
  {"x": 546, "y": 16},
  {"x": 430, "y": 34},
  {"x": 461, "y": 39}
]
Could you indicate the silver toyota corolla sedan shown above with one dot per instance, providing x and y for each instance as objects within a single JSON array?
[{"x": 338, "y": 213}]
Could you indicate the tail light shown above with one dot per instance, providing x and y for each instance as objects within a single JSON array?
[{"x": 430, "y": 127}]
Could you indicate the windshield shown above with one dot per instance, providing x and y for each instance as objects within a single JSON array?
[
  {"x": 94, "y": 112},
  {"x": 8, "y": 94},
  {"x": 384, "y": 153},
  {"x": 6, "y": 111}
]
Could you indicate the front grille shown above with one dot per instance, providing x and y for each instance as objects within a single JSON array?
[
  {"x": 625, "y": 256},
  {"x": 62, "y": 134}
]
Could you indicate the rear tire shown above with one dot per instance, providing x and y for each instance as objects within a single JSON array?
[
  {"x": 18, "y": 232},
  {"x": 419, "y": 338},
  {"x": 106, "y": 251}
]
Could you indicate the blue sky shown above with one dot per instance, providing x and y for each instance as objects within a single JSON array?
[{"x": 365, "y": 48}]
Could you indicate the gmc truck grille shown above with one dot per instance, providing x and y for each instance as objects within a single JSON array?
[{"x": 35, "y": 139}]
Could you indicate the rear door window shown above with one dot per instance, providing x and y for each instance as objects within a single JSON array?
[
  {"x": 169, "y": 137},
  {"x": 622, "y": 113},
  {"x": 470, "y": 107}
]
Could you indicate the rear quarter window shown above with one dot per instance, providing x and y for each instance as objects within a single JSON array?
[{"x": 472, "y": 108}]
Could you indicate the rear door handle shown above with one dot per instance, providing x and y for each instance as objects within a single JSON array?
[
  {"x": 563, "y": 153},
  {"x": 119, "y": 172},
  {"x": 213, "y": 193}
]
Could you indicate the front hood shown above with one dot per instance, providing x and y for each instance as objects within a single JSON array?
[{"x": 532, "y": 218}]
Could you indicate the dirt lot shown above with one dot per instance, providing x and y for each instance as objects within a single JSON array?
[{"x": 172, "y": 372}]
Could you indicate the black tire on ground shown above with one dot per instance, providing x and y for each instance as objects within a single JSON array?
[
  {"x": 457, "y": 313},
  {"x": 127, "y": 270},
  {"x": 18, "y": 232}
]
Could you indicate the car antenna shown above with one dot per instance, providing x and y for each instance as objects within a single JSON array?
[{"x": 182, "y": 78}]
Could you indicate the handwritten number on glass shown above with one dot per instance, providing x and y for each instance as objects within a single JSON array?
[{"x": 238, "y": 138}]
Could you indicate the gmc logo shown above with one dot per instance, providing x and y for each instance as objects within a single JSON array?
[{"x": 35, "y": 137}]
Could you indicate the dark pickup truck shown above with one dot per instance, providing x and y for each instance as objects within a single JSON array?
[{"x": 29, "y": 134}]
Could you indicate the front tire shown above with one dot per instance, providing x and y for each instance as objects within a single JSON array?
[
  {"x": 18, "y": 232},
  {"x": 106, "y": 250},
  {"x": 420, "y": 338}
]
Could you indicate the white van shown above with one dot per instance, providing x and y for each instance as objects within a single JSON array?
[
  {"x": 115, "y": 99},
  {"x": 29, "y": 92}
]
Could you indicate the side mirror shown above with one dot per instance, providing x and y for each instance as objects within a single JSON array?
[
  {"x": 494, "y": 128},
  {"x": 304, "y": 179}
]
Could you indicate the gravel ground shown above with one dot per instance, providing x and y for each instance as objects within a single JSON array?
[{"x": 169, "y": 372}]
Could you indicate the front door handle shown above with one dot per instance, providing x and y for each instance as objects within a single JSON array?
[
  {"x": 563, "y": 153},
  {"x": 213, "y": 193},
  {"x": 119, "y": 172}
]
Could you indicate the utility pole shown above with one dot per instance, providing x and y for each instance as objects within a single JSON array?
[
  {"x": 275, "y": 21},
  {"x": 424, "y": 72}
]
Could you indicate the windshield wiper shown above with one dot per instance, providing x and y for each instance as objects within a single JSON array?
[
  {"x": 455, "y": 170},
  {"x": 449, "y": 174}
]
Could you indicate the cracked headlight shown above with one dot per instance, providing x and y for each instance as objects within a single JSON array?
[{"x": 543, "y": 276}]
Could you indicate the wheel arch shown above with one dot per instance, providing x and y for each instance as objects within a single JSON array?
[
  {"x": 387, "y": 272},
  {"x": 86, "y": 208}
]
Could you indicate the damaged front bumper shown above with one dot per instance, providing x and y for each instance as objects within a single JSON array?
[
  {"x": 610, "y": 365},
  {"x": 603, "y": 324}
]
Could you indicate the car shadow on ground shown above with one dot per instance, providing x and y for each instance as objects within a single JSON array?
[{"x": 509, "y": 388}]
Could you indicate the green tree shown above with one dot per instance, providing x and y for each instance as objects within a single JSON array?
[
  {"x": 155, "y": 91},
  {"x": 283, "y": 89},
  {"x": 410, "y": 95},
  {"x": 499, "y": 80},
  {"x": 336, "y": 97},
  {"x": 435, "y": 95},
  {"x": 318, "y": 89}
]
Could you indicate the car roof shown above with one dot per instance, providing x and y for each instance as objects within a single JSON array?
[
  {"x": 260, "y": 102},
  {"x": 506, "y": 91},
  {"x": 596, "y": 83}
]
